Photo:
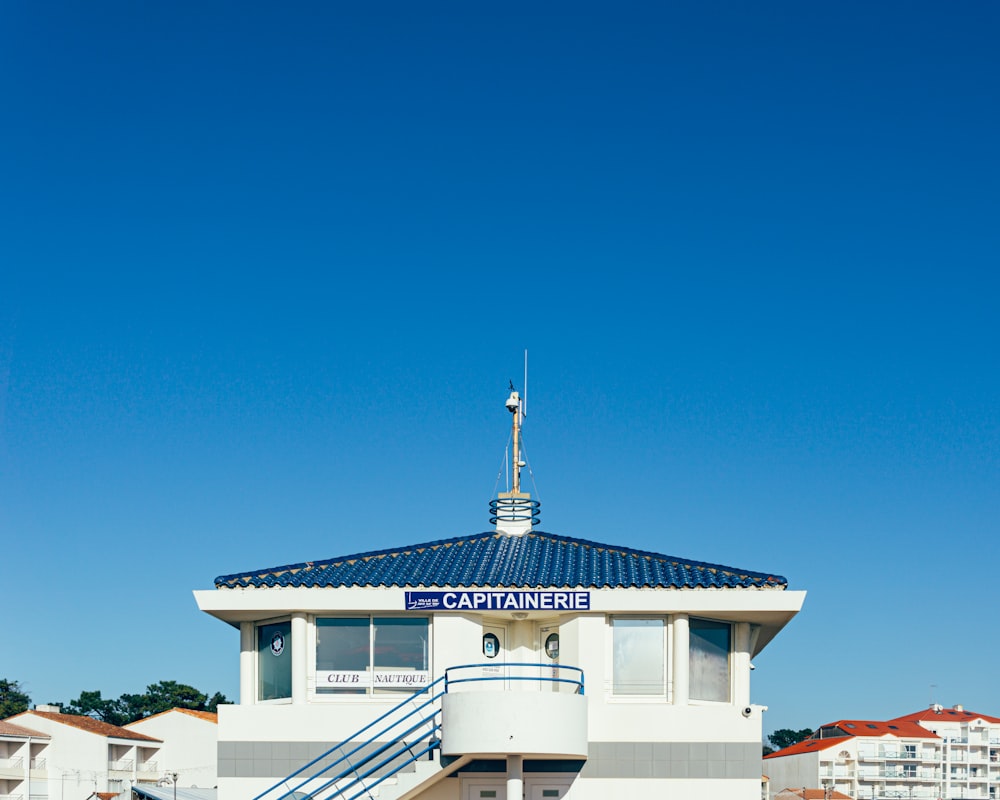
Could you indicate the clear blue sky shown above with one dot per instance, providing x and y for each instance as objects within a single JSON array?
[{"x": 268, "y": 268}]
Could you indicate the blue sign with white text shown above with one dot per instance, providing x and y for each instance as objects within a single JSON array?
[{"x": 498, "y": 600}]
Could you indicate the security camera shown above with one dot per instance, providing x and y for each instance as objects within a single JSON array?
[{"x": 747, "y": 711}]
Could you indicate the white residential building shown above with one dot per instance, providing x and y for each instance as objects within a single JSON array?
[
  {"x": 190, "y": 745},
  {"x": 506, "y": 664},
  {"x": 84, "y": 755},
  {"x": 24, "y": 773},
  {"x": 933, "y": 754}
]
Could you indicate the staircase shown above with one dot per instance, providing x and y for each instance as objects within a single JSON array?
[
  {"x": 385, "y": 759},
  {"x": 398, "y": 755}
]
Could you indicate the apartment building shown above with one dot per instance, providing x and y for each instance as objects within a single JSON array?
[
  {"x": 933, "y": 754},
  {"x": 189, "y": 753},
  {"x": 23, "y": 763},
  {"x": 81, "y": 755}
]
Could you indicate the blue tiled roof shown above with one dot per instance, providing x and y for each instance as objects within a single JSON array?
[{"x": 496, "y": 559}]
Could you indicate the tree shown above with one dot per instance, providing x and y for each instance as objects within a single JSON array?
[
  {"x": 12, "y": 699},
  {"x": 165, "y": 695},
  {"x": 786, "y": 737},
  {"x": 157, "y": 698}
]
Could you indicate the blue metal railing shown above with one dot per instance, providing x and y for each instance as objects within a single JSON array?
[
  {"x": 354, "y": 766},
  {"x": 576, "y": 683}
]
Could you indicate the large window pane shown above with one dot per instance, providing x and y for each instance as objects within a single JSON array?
[
  {"x": 274, "y": 661},
  {"x": 342, "y": 647},
  {"x": 400, "y": 648},
  {"x": 639, "y": 656},
  {"x": 709, "y": 662}
]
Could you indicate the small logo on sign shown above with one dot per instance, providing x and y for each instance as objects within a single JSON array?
[{"x": 277, "y": 644}]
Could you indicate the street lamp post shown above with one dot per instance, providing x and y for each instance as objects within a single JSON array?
[{"x": 173, "y": 779}]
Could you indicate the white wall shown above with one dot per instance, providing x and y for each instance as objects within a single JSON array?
[
  {"x": 77, "y": 760},
  {"x": 190, "y": 746}
]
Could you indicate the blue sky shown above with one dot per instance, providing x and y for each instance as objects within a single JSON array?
[{"x": 267, "y": 271}]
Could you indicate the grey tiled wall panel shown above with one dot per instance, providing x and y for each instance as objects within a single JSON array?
[
  {"x": 604, "y": 759},
  {"x": 673, "y": 760}
]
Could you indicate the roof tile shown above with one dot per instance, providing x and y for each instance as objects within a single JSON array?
[{"x": 497, "y": 559}]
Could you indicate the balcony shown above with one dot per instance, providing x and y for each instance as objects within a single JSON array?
[
  {"x": 121, "y": 765},
  {"x": 504, "y": 712},
  {"x": 38, "y": 763},
  {"x": 11, "y": 763}
]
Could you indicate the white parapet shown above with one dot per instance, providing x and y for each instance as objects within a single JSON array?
[{"x": 541, "y": 724}]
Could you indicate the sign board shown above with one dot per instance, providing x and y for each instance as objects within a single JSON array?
[
  {"x": 364, "y": 679},
  {"x": 498, "y": 600}
]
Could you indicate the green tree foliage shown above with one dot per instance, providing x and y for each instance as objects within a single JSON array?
[
  {"x": 128, "y": 708},
  {"x": 12, "y": 699},
  {"x": 786, "y": 737}
]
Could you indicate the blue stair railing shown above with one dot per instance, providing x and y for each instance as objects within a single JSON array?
[{"x": 404, "y": 734}]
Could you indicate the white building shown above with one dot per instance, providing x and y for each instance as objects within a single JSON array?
[
  {"x": 934, "y": 753},
  {"x": 81, "y": 755},
  {"x": 497, "y": 665},
  {"x": 23, "y": 764},
  {"x": 190, "y": 745}
]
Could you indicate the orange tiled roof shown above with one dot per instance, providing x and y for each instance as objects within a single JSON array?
[
  {"x": 947, "y": 715},
  {"x": 814, "y": 794},
  {"x": 807, "y": 746},
  {"x": 208, "y": 716},
  {"x": 90, "y": 725},
  {"x": 857, "y": 727},
  {"x": 10, "y": 729},
  {"x": 871, "y": 727}
]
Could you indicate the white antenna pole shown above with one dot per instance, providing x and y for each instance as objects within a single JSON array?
[
  {"x": 524, "y": 402},
  {"x": 506, "y": 466}
]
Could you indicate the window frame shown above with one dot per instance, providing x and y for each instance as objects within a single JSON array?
[
  {"x": 666, "y": 696},
  {"x": 257, "y": 625},
  {"x": 368, "y": 692},
  {"x": 731, "y": 626}
]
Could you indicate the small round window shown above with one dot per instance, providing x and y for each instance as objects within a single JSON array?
[
  {"x": 552, "y": 646},
  {"x": 491, "y": 645}
]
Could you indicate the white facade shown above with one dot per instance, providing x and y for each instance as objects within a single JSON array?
[
  {"x": 632, "y": 743},
  {"x": 190, "y": 745},
  {"x": 24, "y": 771},
  {"x": 82, "y": 756},
  {"x": 508, "y": 664},
  {"x": 940, "y": 753}
]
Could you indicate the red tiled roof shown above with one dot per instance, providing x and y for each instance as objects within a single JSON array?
[
  {"x": 808, "y": 746},
  {"x": 850, "y": 728},
  {"x": 90, "y": 725},
  {"x": 813, "y": 794},
  {"x": 208, "y": 716},
  {"x": 947, "y": 715},
  {"x": 871, "y": 727},
  {"x": 10, "y": 729}
]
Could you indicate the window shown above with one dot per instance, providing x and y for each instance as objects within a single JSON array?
[
  {"x": 274, "y": 661},
  {"x": 709, "y": 659},
  {"x": 639, "y": 648},
  {"x": 359, "y": 655}
]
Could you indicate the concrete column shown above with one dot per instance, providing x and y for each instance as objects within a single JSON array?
[
  {"x": 515, "y": 777},
  {"x": 248, "y": 659},
  {"x": 741, "y": 664},
  {"x": 299, "y": 672},
  {"x": 682, "y": 660}
]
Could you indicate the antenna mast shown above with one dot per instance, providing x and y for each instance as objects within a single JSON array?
[{"x": 514, "y": 512}]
